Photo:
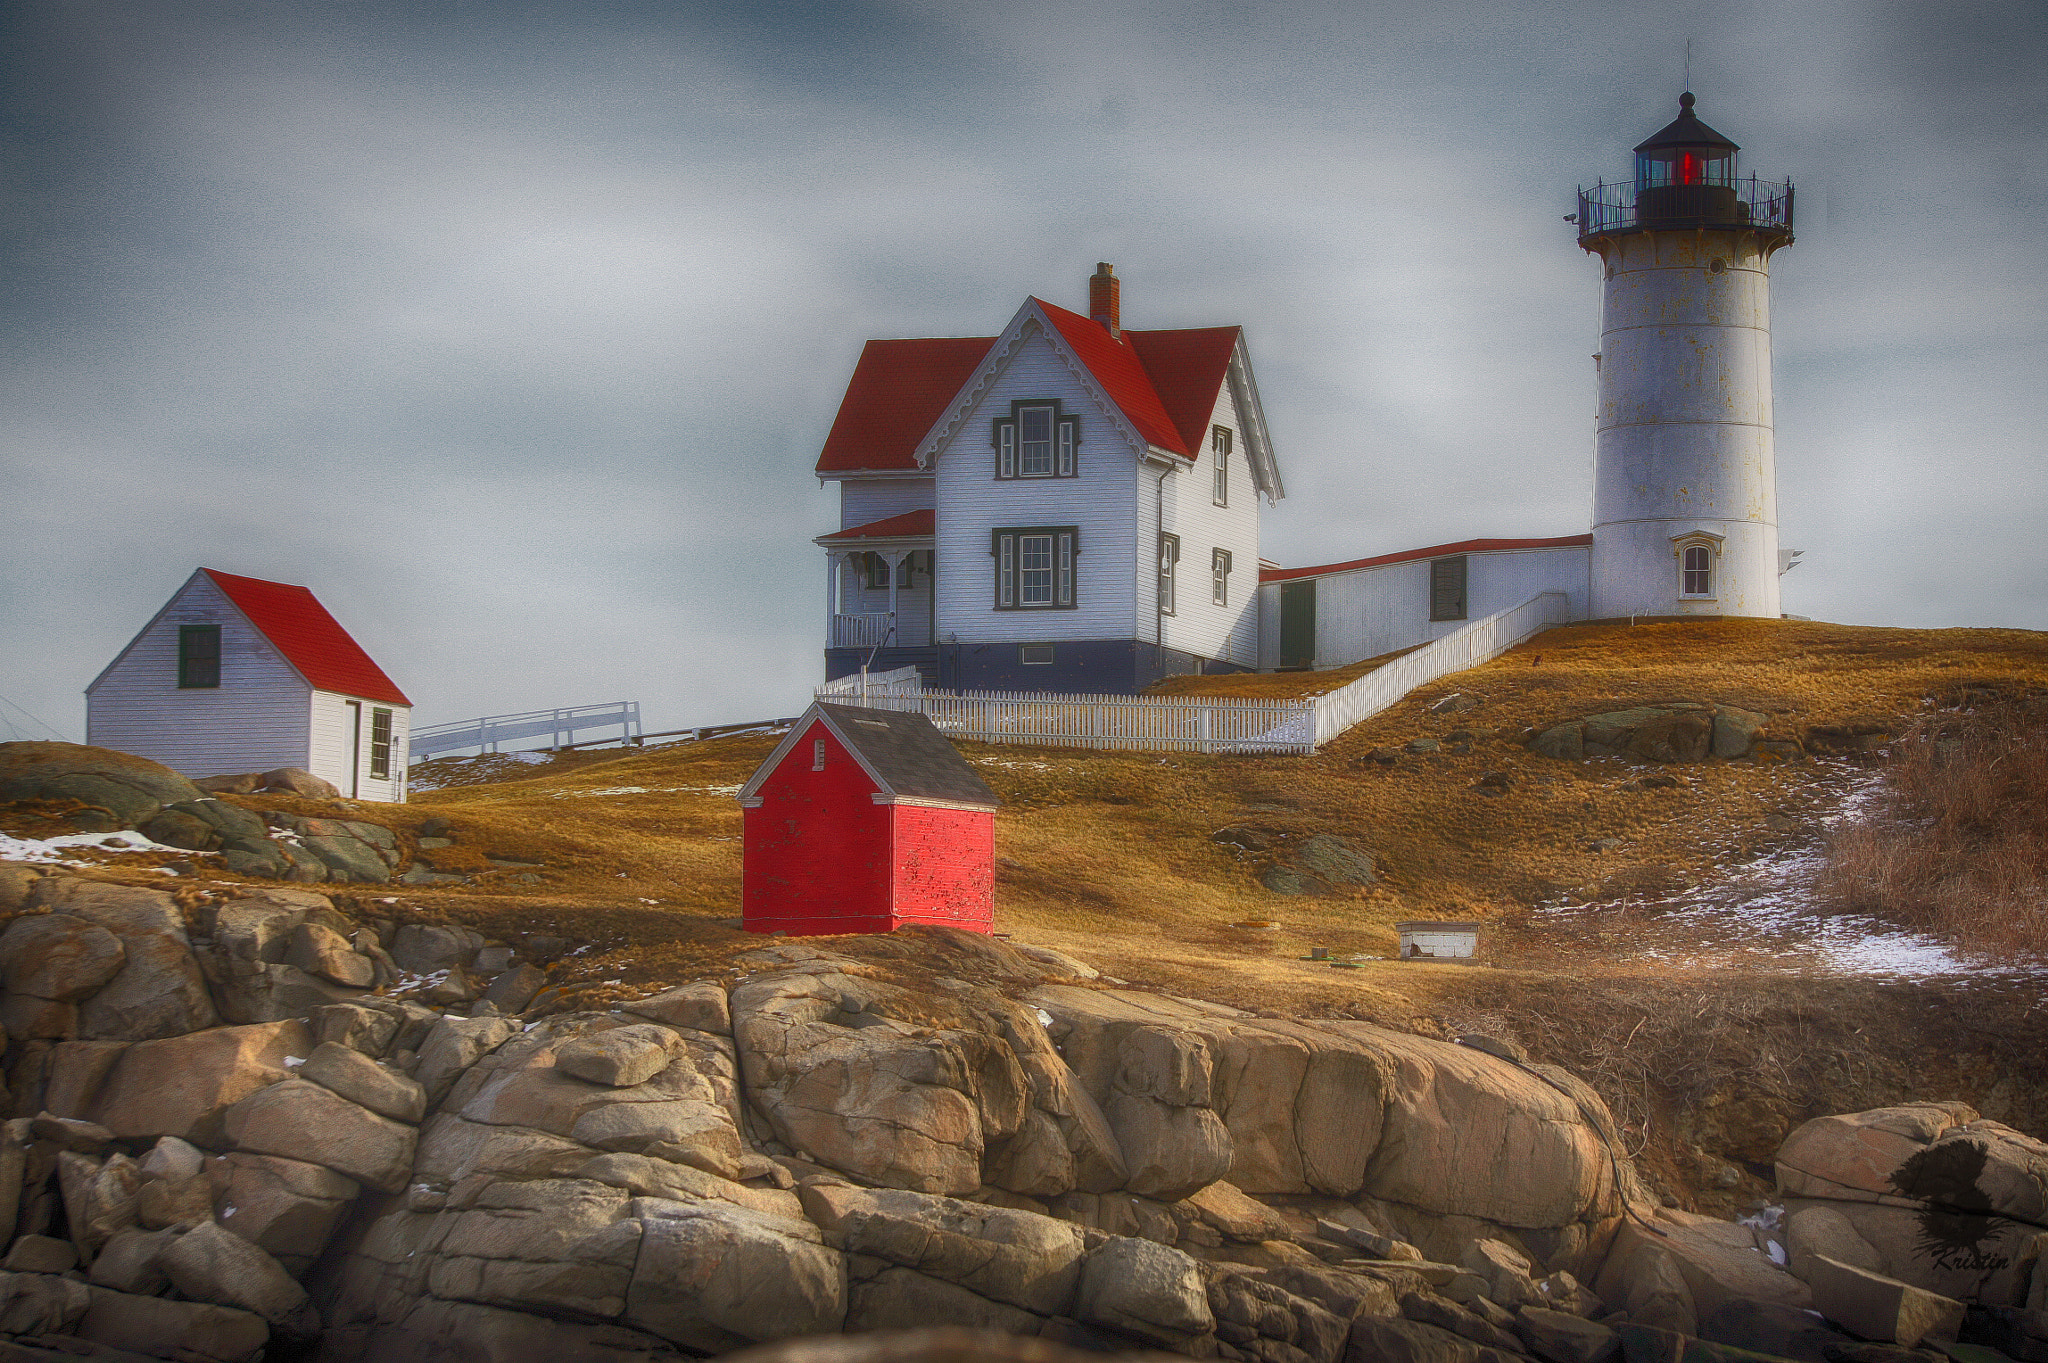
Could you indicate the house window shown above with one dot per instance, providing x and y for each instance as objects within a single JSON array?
[
  {"x": 1219, "y": 445},
  {"x": 876, "y": 566},
  {"x": 1034, "y": 566},
  {"x": 1036, "y": 441},
  {"x": 1219, "y": 576},
  {"x": 1035, "y": 655},
  {"x": 1447, "y": 588},
  {"x": 1696, "y": 576},
  {"x": 1169, "y": 560},
  {"x": 198, "y": 657},
  {"x": 380, "y": 745},
  {"x": 817, "y": 754}
]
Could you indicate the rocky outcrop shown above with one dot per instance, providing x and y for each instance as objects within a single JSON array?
[
  {"x": 815, "y": 1150},
  {"x": 101, "y": 790},
  {"x": 1676, "y": 731},
  {"x": 98, "y": 790},
  {"x": 1927, "y": 1194}
]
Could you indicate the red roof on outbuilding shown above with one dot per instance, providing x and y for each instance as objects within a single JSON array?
[
  {"x": 904, "y": 526},
  {"x": 1434, "y": 551},
  {"x": 1165, "y": 382},
  {"x": 311, "y": 640}
]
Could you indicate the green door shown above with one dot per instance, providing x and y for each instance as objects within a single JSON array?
[{"x": 1298, "y": 624}]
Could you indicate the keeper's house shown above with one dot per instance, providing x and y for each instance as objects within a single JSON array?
[
  {"x": 1069, "y": 506},
  {"x": 236, "y": 674},
  {"x": 864, "y": 820}
]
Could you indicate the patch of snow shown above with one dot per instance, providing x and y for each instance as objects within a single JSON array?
[
  {"x": 1044, "y": 1018},
  {"x": 646, "y": 790},
  {"x": 1764, "y": 915},
  {"x": 292, "y": 1062},
  {"x": 53, "y": 849}
]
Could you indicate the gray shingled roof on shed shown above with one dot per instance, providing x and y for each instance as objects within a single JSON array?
[{"x": 907, "y": 754}]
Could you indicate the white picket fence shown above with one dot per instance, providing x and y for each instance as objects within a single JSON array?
[
  {"x": 1481, "y": 641},
  {"x": 1218, "y": 724}
]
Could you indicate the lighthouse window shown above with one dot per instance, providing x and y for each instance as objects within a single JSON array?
[{"x": 1697, "y": 578}]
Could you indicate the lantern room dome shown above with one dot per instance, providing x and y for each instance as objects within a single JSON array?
[{"x": 1686, "y": 131}]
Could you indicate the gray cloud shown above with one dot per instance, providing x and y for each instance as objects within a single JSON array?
[{"x": 513, "y": 331}]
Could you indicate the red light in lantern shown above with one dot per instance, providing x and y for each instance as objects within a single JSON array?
[{"x": 1689, "y": 169}]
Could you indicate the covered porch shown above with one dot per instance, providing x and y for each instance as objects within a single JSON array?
[{"x": 878, "y": 591}]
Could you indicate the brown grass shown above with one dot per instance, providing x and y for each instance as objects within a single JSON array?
[
  {"x": 1109, "y": 855},
  {"x": 1957, "y": 843},
  {"x": 1273, "y": 685}
]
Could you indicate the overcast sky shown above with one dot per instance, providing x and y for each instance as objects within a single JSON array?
[{"x": 513, "y": 330}]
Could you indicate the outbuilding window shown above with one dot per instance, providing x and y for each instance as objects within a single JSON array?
[
  {"x": 1447, "y": 588},
  {"x": 1036, "y": 441},
  {"x": 198, "y": 657},
  {"x": 1034, "y": 566},
  {"x": 380, "y": 744}
]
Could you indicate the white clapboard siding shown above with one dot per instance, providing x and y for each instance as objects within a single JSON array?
[
  {"x": 1099, "y": 500},
  {"x": 333, "y": 726},
  {"x": 255, "y": 720},
  {"x": 872, "y": 499},
  {"x": 1366, "y": 612},
  {"x": 1198, "y": 625}
]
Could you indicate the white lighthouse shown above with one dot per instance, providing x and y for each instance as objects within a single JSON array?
[{"x": 1685, "y": 507}]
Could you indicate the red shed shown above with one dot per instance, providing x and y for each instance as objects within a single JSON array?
[{"x": 863, "y": 820}]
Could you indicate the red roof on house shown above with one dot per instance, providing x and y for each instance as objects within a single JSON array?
[
  {"x": 898, "y": 390},
  {"x": 311, "y": 640},
  {"x": 904, "y": 526},
  {"x": 1165, "y": 382},
  {"x": 1267, "y": 574}
]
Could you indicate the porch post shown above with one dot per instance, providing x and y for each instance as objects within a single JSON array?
[
  {"x": 831, "y": 597},
  {"x": 896, "y": 558}
]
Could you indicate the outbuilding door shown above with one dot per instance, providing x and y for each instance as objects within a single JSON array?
[
  {"x": 1298, "y": 623},
  {"x": 355, "y": 749}
]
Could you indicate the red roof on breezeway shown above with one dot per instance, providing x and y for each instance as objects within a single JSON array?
[
  {"x": 310, "y": 639},
  {"x": 908, "y": 525},
  {"x": 1165, "y": 382},
  {"x": 1434, "y": 551}
]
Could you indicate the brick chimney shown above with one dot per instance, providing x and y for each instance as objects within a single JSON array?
[{"x": 1105, "y": 304}]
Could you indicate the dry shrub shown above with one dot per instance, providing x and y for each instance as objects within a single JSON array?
[{"x": 1957, "y": 842}]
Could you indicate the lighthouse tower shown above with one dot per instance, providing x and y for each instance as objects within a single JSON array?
[{"x": 1685, "y": 507}]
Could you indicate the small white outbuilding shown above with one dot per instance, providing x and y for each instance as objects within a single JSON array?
[
  {"x": 236, "y": 674},
  {"x": 1437, "y": 941}
]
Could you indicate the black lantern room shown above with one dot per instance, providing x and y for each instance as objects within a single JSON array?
[{"x": 1686, "y": 173}]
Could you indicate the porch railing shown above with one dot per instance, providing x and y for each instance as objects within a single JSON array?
[{"x": 870, "y": 629}]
